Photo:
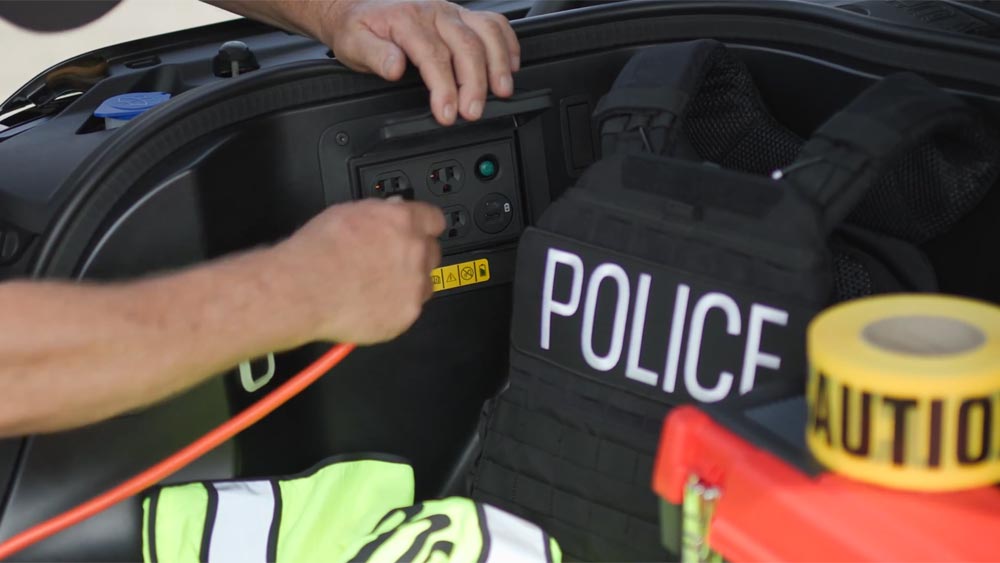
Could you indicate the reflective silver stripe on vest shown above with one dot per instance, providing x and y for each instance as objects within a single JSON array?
[
  {"x": 242, "y": 522},
  {"x": 512, "y": 539}
]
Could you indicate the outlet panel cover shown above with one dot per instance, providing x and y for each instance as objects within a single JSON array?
[{"x": 418, "y": 169}]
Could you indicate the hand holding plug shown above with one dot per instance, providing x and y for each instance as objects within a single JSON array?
[{"x": 362, "y": 269}]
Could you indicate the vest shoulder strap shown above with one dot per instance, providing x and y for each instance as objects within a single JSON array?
[
  {"x": 856, "y": 149},
  {"x": 650, "y": 94}
]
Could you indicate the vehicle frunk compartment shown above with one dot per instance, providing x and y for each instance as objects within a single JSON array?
[{"x": 264, "y": 154}]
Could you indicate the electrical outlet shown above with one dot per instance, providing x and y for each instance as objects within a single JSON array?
[
  {"x": 457, "y": 222},
  {"x": 391, "y": 183},
  {"x": 445, "y": 178}
]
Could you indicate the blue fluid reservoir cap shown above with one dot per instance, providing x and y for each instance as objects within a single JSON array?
[{"x": 128, "y": 106}]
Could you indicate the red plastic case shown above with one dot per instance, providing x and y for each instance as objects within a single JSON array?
[{"x": 771, "y": 511}]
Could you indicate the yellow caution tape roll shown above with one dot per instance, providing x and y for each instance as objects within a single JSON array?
[{"x": 904, "y": 391}]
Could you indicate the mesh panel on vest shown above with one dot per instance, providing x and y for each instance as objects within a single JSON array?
[
  {"x": 934, "y": 185},
  {"x": 850, "y": 278},
  {"x": 728, "y": 124}
]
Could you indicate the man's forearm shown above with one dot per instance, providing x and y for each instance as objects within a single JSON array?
[
  {"x": 298, "y": 16},
  {"x": 75, "y": 354}
]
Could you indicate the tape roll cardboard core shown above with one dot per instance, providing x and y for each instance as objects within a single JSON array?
[{"x": 923, "y": 335}]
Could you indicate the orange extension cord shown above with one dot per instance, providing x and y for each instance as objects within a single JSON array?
[{"x": 182, "y": 458}]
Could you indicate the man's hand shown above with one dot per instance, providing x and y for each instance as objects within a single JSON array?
[
  {"x": 461, "y": 54},
  {"x": 363, "y": 269}
]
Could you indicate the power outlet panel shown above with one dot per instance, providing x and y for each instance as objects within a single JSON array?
[{"x": 476, "y": 187}]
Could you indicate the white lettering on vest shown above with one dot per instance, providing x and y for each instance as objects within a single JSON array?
[
  {"x": 632, "y": 368},
  {"x": 549, "y": 305},
  {"x": 759, "y": 314},
  {"x": 708, "y": 302},
  {"x": 682, "y": 353},
  {"x": 676, "y": 333},
  {"x": 609, "y": 360}
]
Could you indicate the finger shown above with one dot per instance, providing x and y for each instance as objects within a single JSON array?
[
  {"x": 366, "y": 52},
  {"x": 469, "y": 60},
  {"x": 420, "y": 41},
  {"x": 427, "y": 219},
  {"x": 510, "y": 38},
  {"x": 498, "y": 59}
]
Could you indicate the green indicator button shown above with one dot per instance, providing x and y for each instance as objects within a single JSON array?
[{"x": 487, "y": 168}]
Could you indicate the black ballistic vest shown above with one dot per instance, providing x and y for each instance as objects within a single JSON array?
[{"x": 679, "y": 271}]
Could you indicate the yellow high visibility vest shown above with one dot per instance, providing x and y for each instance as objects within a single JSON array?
[{"x": 353, "y": 510}]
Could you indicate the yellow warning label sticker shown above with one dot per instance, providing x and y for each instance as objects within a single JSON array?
[
  {"x": 436, "y": 280},
  {"x": 458, "y": 275}
]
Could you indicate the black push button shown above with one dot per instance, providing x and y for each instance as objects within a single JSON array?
[{"x": 493, "y": 213}]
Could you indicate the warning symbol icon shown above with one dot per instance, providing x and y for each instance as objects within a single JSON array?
[
  {"x": 437, "y": 279},
  {"x": 467, "y": 273},
  {"x": 451, "y": 277},
  {"x": 482, "y": 270}
]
